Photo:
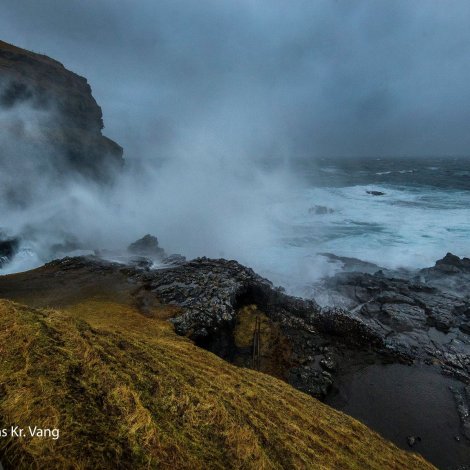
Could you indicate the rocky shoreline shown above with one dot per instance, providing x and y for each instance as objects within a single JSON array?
[{"x": 378, "y": 325}]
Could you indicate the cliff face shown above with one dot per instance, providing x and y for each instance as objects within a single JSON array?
[{"x": 70, "y": 121}]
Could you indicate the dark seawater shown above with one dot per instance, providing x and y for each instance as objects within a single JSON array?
[
  {"x": 452, "y": 173},
  {"x": 399, "y": 401}
]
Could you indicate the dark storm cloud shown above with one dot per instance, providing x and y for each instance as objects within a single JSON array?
[{"x": 265, "y": 78}]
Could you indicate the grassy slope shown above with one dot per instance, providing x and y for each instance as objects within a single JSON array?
[{"x": 126, "y": 392}]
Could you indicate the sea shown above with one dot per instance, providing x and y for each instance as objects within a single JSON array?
[{"x": 394, "y": 212}]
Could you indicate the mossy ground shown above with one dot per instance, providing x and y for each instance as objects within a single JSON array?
[{"x": 127, "y": 392}]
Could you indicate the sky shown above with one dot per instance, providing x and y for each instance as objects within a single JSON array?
[{"x": 267, "y": 78}]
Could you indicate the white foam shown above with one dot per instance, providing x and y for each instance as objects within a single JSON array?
[{"x": 403, "y": 228}]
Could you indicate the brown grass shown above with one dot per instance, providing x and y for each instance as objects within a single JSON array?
[{"x": 126, "y": 392}]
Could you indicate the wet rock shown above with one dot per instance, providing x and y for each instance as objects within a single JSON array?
[
  {"x": 375, "y": 193},
  {"x": 312, "y": 381},
  {"x": 8, "y": 249},
  {"x": 452, "y": 263},
  {"x": 413, "y": 440},
  {"x": 415, "y": 319},
  {"x": 462, "y": 400},
  {"x": 450, "y": 274},
  {"x": 328, "y": 363},
  {"x": 465, "y": 328},
  {"x": 352, "y": 264},
  {"x": 147, "y": 246},
  {"x": 174, "y": 260},
  {"x": 320, "y": 210},
  {"x": 141, "y": 262}
]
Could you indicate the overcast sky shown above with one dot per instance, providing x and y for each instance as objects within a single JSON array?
[{"x": 268, "y": 77}]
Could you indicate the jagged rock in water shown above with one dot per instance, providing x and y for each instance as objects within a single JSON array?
[
  {"x": 413, "y": 440},
  {"x": 452, "y": 264},
  {"x": 320, "y": 210},
  {"x": 352, "y": 264},
  {"x": 450, "y": 273},
  {"x": 68, "y": 121},
  {"x": 8, "y": 249},
  {"x": 147, "y": 246}
]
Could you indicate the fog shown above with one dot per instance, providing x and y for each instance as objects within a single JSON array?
[
  {"x": 199, "y": 201},
  {"x": 214, "y": 102},
  {"x": 308, "y": 79}
]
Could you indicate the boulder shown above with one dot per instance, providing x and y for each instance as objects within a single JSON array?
[
  {"x": 147, "y": 246},
  {"x": 320, "y": 210}
]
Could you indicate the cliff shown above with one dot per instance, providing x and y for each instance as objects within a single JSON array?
[{"x": 71, "y": 125}]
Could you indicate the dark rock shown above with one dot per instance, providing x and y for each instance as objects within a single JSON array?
[
  {"x": 307, "y": 342},
  {"x": 147, "y": 246},
  {"x": 414, "y": 319},
  {"x": 465, "y": 328},
  {"x": 450, "y": 274},
  {"x": 320, "y": 210},
  {"x": 452, "y": 261},
  {"x": 141, "y": 262},
  {"x": 328, "y": 363},
  {"x": 375, "y": 193},
  {"x": 8, "y": 249},
  {"x": 462, "y": 400},
  {"x": 352, "y": 264},
  {"x": 174, "y": 260},
  {"x": 413, "y": 440}
]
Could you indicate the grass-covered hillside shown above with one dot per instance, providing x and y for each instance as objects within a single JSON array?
[{"x": 127, "y": 392}]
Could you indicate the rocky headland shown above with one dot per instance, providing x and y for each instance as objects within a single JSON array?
[
  {"x": 70, "y": 122},
  {"x": 388, "y": 348}
]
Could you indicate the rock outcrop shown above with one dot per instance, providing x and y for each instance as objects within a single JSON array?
[
  {"x": 69, "y": 121},
  {"x": 425, "y": 314},
  {"x": 147, "y": 246},
  {"x": 390, "y": 332}
]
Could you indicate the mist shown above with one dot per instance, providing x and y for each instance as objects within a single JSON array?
[{"x": 200, "y": 202}]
